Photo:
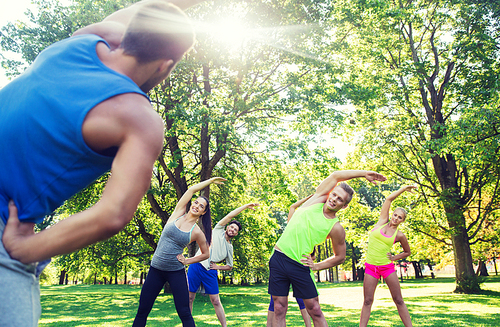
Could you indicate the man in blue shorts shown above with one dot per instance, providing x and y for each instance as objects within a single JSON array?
[
  {"x": 221, "y": 248},
  {"x": 78, "y": 111},
  {"x": 310, "y": 225}
]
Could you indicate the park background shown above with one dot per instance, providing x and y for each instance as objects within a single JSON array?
[{"x": 278, "y": 94}]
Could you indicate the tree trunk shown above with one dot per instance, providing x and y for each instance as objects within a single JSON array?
[
  {"x": 353, "y": 263},
  {"x": 319, "y": 259},
  {"x": 446, "y": 171},
  {"x": 62, "y": 276},
  {"x": 416, "y": 267},
  {"x": 466, "y": 281},
  {"x": 481, "y": 269}
]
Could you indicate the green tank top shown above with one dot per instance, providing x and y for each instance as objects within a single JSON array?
[
  {"x": 378, "y": 246},
  {"x": 307, "y": 228}
]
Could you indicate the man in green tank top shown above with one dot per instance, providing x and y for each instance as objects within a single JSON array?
[{"x": 310, "y": 225}]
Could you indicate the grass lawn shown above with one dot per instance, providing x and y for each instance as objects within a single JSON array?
[{"x": 430, "y": 302}]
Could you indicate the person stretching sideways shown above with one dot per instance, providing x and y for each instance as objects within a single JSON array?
[
  {"x": 310, "y": 225},
  {"x": 300, "y": 302},
  {"x": 168, "y": 261},
  {"x": 379, "y": 259},
  {"x": 221, "y": 249}
]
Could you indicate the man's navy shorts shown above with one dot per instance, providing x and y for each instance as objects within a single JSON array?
[{"x": 284, "y": 271}]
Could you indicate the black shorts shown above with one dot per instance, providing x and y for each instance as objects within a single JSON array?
[{"x": 284, "y": 271}]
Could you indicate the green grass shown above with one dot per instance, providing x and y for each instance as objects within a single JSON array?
[{"x": 430, "y": 302}]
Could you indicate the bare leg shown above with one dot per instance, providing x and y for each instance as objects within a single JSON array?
[
  {"x": 270, "y": 317},
  {"x": 393, "y": 284},
  {"x": 369, "y": 287},
  {"x": 306, "y": 317},
  {"x": 314, "y": 310},
  {"x": 280, "y": 307},
  {"x": 191, "y": 300},
  {"x": 219, "y": 309}
]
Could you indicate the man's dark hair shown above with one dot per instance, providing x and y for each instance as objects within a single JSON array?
[
  {"x": 348, "y": 190},
  {"x": 158, "y": 31},
  {"x": 237, "y": 224}
]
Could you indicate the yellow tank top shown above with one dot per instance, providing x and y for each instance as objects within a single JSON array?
[
  {"x": 378, "y": 246},
  {"x": 307, "y": 228}
]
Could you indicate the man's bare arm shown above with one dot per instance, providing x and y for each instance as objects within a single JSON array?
[
  {"x": 336, "y": 177},
  {"x": 224, "y": 221},
  {"x": 337, "y": 234},
  {"x": 137, "y": 132},
  {"x": 215, "y": 266}
]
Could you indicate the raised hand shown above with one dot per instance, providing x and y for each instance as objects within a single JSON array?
[
  {"x": 373, "y": 177},
  {"x": 217, "y": 180},
  {"x": 252, "y": 205},
  {"x": 409, "y": 188}
]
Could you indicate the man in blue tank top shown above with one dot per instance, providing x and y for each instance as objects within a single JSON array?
[{"x": 78, "y": 111}]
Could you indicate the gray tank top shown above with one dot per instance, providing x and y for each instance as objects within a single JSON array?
[{"x": 172, "y": 242}]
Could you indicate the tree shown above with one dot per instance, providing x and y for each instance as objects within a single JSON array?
[
  {"x": 223, "y": 109},
  {"x": 422, "y": 75}
]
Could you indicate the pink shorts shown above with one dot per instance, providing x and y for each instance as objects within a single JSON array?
[{"x": 377, "y": 271}]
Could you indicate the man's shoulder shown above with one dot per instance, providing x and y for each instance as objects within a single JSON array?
[
  {"x": 219, "y": 226},
  {"x": 127, "y": 117},
  {"x": 337, "y": 231},
  {"x": 132, "y": 107}
]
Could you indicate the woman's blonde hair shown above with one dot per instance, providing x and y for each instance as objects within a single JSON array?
[{"x": 403, "y": 210}]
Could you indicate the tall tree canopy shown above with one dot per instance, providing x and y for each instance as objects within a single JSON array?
[{"x": 423, "y": 78}]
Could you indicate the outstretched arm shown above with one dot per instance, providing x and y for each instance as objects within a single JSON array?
[
  {"x": 384, "y": 212},
  {"x": 224, "y": 221},
  {"x": 297, "y": 204},
  {"x": 336, "y": 177},
  {"x": 180, "y": 208}
]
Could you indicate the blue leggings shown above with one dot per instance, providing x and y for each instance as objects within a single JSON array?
[{"x": 153, "y": 285}]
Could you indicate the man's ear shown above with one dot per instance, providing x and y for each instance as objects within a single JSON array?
[{"x": 165, "y": 65}]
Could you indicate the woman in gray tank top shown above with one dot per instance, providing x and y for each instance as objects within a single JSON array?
[{"x": 168, "y": 261}]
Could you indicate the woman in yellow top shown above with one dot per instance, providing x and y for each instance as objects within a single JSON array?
[{"x": 380, "y": 260}]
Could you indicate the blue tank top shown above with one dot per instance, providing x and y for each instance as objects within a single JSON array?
[
  {"x": 172, "y": 243},
  {"x": 43, "y": 157}
]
